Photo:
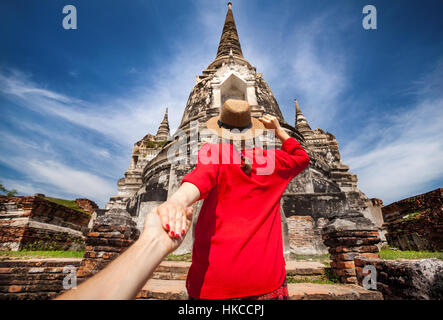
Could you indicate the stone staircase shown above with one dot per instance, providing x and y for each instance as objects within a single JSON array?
[{"x": 168, "y": 283}]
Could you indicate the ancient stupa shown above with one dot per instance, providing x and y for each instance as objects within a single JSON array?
[{"x": 323, "y": 189}]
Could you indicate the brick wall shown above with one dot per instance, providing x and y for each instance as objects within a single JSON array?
[
  {"x": 416, "y": 223},
  {"x": 305, "y": 235},
  {"x": 86, "y": 204},
  {"x": 38, "y": 224},
  {"x": 33, "y": 279},
  {"x": 406, "y": 279}
]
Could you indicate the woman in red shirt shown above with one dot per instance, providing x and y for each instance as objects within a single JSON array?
[{"x": 238, "y": 249}]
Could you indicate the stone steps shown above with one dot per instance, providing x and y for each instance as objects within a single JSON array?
[
  {"x": 156, "y": 289},
  {"x": 177, "y": 270}
]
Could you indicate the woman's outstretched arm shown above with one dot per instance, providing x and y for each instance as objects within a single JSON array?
[
  {"x": 124, "y": 277},
  {"x": 172, "y": 212}
]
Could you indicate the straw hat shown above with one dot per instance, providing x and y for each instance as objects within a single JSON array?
[{"x": 235, "y": 121}]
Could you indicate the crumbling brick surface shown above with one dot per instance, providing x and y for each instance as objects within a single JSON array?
[
  {"x": 416, "y": 223},
  {"x": 36, "y": 279},
  {"x": 406, "y": 279},
  {"x": 38, "y": 224}
]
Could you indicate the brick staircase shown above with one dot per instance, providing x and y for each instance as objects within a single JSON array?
[{"x": 168, "y": 283}]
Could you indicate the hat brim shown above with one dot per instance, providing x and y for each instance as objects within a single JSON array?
[{"x": 250, "y": 133}]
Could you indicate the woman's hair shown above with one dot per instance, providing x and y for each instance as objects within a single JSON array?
[
  {"x": 245, "y": 166},
  {"x": 246, "y": 163}
]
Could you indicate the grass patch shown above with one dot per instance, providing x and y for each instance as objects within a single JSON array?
[
  {"x": 327, "y": 278},
  {"x": 155, "y": 144},
  {"x": 411, "y": 216},
  {"x": 388, "y": 253},
  {"x": 181, "y": 257},
  {"x": 28, "y": 254},
  {"x": 291, "y": 279},
  {"x": 67, "y": 203}
]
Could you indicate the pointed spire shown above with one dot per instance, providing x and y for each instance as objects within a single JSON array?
[
  {"x": 229, "y": 39},
  {"x": 301, "y": 124},
  {"x": 163, "y": 129}
]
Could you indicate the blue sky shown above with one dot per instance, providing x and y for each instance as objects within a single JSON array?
[{"x": 73, "y": 102}]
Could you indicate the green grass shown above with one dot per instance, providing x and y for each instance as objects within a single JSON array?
[
  {"x": 387, "y": 253},
  {"x": 411, "y": 216},
  {"x": 291, "y": 279},
  {"x": 327, "y": 278},
  {"x": 28, "y": 254},
  {"x": 67, "y": 203}
]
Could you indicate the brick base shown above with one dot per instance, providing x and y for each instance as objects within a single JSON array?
[
  {"x": 305, "y": 235},
  {"x": 33, "y": 279}
]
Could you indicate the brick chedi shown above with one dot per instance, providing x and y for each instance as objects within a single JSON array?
[
  {"x": 143, "y": 151},
  {"x": 163, "y": 129},
  {"x": 325, "y": 188}
]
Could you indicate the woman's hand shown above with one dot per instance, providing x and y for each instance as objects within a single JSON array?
[
  {"x": 172, "y": 218},
  {"x": 270, "y": 122},
  {"x": 162, "y": 220}
]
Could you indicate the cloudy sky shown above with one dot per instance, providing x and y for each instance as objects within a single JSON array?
[{"x": 73, "y": 102}]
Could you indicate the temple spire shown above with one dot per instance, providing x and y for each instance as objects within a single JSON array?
[
  {"x": 229, "y": 39},
  {"x": 163, "y": 129},
  {"x": 301, "y": 124}
]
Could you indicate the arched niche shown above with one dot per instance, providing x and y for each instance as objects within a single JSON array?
[{"x": 233, "y": 88}]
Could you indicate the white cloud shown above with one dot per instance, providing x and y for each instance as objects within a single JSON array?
[
  {"x": 121, "y": 121},
  {"x": 407, "y": 154},
  {"x": 57, "y": 179}
]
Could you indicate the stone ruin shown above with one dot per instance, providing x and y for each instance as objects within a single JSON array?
[
  {"x": 143, "y": 151},
  {"x": 322, "y": 191},
  {"x": 35, "y": 223},
  {"x": 415, "y": 223}
]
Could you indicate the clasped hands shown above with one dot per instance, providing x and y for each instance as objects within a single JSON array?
[{"x": 168, "y": 224}]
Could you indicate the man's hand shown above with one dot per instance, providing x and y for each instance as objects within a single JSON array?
[{"x": 169, "y": 214}]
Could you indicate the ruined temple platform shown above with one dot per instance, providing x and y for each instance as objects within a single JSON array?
[
  {"x": 41, "y": 279},
  {"x": 168, "y": 283}
]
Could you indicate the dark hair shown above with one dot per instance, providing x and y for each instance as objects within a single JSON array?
[{"x": 245, "y": 165}]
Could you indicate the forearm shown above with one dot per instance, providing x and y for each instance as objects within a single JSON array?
[
  {"x": 186, "y": 195},
  {"x": 281, "y": 134},
  {"x": 125, "y": 276}
]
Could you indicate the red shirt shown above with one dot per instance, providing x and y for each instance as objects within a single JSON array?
[{"x": 238, "y": 247}]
